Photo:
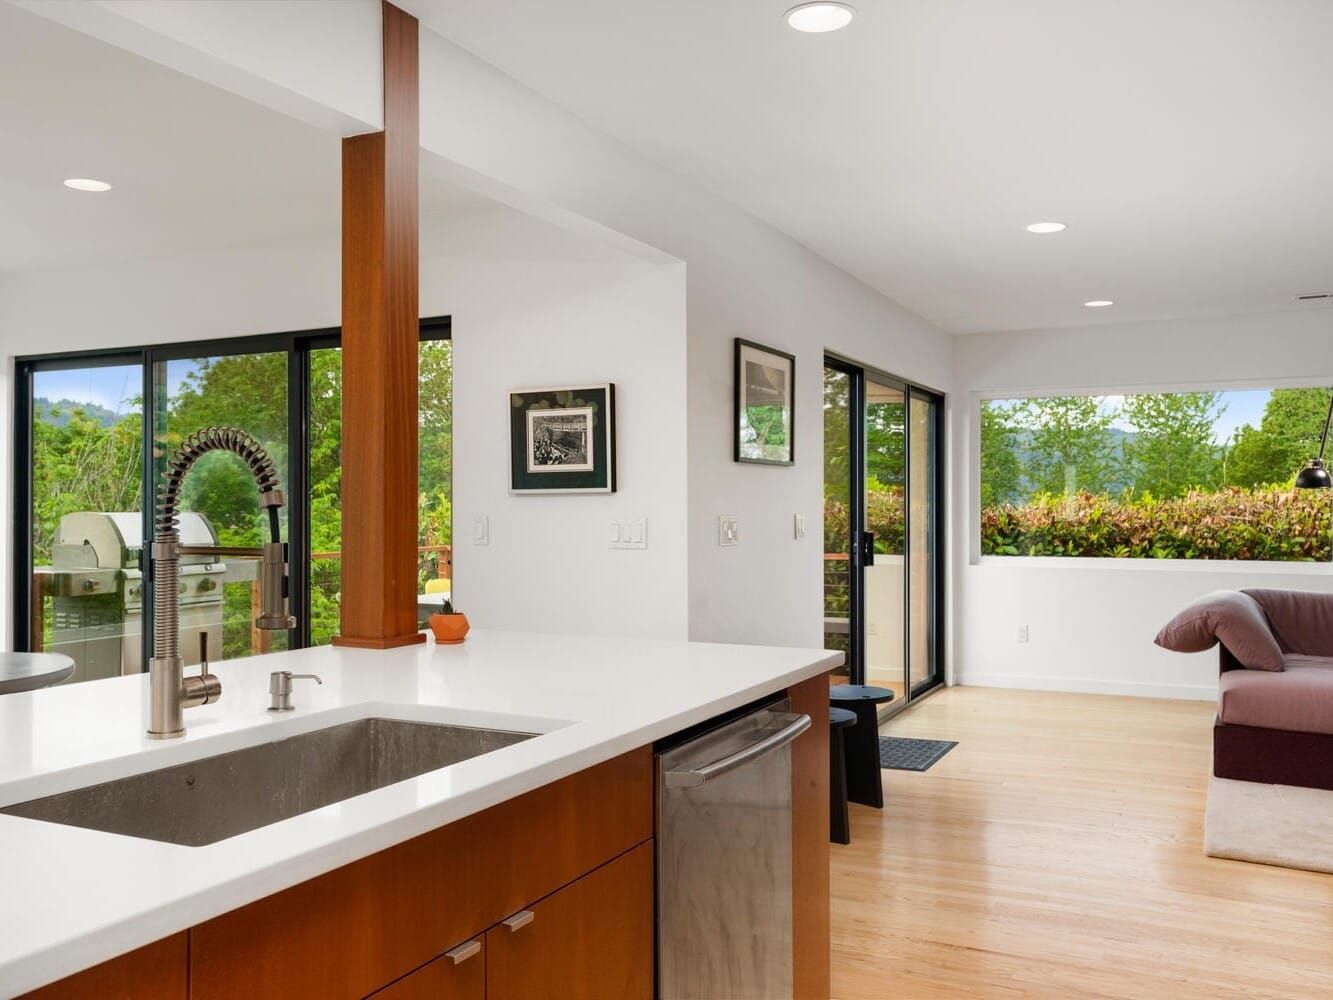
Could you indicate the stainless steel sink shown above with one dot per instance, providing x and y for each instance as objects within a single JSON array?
[{"x": 217, "y": 797}]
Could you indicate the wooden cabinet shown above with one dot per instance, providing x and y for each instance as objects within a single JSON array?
[
  {"x": 352, "y": 931},
  {"x": 810, "y": 928},
  {"x": 459, "y": 974},
  {"x": 593, "y": 938},
  {"x": 156, "y": 971},
  {"x": 577, "y": 854}
]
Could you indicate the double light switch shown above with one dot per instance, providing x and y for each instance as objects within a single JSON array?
[{"x": 628, "y": 534}]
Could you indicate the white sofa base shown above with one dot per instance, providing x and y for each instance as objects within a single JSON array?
[{"x": 1271, "y": 824}]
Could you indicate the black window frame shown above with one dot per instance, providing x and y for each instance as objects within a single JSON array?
[{"x": 297, "y": 345}]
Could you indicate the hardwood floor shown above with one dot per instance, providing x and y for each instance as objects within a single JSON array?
[{"x": 1057, "y": 852}]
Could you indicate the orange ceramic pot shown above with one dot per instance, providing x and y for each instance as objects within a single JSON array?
[{"x": 449, "y": 629}]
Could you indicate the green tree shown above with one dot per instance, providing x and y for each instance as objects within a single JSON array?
[
  {"x": 1071, "y": 447},
  {"x": 1001, "y": 471},
  {"x": 837, "y": 437},
  {"x": 247, "y": 391},
  {"x": 79, "y": 464},
  {"x": 1287, "y": 435},
  {"x": 1172, "y": 448}
]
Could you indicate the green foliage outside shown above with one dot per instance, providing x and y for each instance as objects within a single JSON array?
[
  {"x": 89, "y": 459},
  {"x": 81, "y": 463},
  {"x": 1063, "y": 476},
  {"x": 1233, "y": 523}
]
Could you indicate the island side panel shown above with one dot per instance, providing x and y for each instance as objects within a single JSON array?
[{"x": 810, "y": 842}]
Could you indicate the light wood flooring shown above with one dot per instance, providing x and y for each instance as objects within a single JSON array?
[{"x": 1057, "y": 852}]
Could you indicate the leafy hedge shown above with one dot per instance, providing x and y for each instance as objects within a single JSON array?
[
  {"x": 884, "y": 518},
  {"x": 1232, "y": 523}
]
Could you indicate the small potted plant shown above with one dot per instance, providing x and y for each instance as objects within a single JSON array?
[{"x": 449, "y": 626}]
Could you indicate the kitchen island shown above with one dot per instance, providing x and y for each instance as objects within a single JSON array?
[{"x": 77, "y": 897}]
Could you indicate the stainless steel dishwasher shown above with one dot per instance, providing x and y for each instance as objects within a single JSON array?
[{"x": 724, "y": 878}]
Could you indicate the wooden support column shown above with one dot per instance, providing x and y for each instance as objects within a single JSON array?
[{"x": 379, "y": 353}]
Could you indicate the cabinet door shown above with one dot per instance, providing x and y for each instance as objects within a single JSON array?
[
  {"x": 458, "y": 974},
  {"x": 593, "y": 938},
  {"x": 154, "y": 972}
]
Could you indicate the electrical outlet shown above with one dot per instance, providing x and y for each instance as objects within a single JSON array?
[
  {"x": 1022, "y": 634},
  {"x": 728, "y": 529}
]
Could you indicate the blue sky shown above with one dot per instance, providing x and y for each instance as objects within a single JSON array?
[
  {"x": 1239, "y": 407},
  {"x": 1245, "y": 407},
  {"x": 111, "y": 387}
]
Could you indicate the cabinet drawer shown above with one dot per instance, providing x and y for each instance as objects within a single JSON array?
[
  {"x": 458, "y": 975},
  {"x": 593, "y": 938},
  {"x": 353, "y": 930}
]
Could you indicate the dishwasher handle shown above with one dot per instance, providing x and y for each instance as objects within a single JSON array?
[{"x": 693, "y": 778}]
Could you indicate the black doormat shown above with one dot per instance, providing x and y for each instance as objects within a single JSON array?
[{"x": 912, "y": 755}]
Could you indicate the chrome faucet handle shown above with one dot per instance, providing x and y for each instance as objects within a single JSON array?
[
  {"x": 280, "y": 688},
  {"x": 204, "y": 689}
]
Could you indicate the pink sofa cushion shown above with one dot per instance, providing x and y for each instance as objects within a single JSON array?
[
  {"x": 1299, "y": 700},
  {"x": 1227, "y": 616},
  {"x": 1302, "y": 621}
]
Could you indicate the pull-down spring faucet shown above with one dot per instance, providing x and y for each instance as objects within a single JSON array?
[{"x": 170, "y": 691}]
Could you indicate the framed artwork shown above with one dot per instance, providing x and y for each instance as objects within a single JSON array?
[
  {"x": 765, "y": 388},
  {"x": 563, "y": 440}
]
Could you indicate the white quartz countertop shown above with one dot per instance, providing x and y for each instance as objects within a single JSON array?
[{"x": 70, "y": 897}]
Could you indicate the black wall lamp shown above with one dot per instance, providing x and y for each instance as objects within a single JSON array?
[{"x": 1315, "y": 475}]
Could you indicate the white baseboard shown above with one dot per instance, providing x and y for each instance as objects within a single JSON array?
[{"x": 1086, "y": 685}]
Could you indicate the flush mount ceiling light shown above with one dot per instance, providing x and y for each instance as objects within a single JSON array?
[
  {"x": 1099, "y": 303},
  {"x": 1044, "y": 228},
  {"x": 816, "y": 18},
  {"x": 87, "y": 184}
]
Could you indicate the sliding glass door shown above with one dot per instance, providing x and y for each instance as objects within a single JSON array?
[
  {"x": 93, "y": 434},
  {"x": 883, "y": 577}
]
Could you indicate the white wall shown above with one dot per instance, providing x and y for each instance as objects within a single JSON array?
[
  {"x": 1091, "y": 622},
  {"x": 744, "y": 278},
  {"x": 531, "y": 306}
]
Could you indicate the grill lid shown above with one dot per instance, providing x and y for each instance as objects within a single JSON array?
[{"x": 113, "y": 540}]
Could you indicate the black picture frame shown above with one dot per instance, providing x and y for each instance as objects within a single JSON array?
[
  {"x": 765, "y": 383},
  {"x": 563, "y": 439}
]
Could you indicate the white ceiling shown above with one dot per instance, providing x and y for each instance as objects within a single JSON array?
[
  {"x": 194, "y": 168},
  {"x": 1186, "y": 142}
]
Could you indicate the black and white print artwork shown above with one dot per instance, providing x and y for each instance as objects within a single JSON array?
[{"x": 560, "y": 440}]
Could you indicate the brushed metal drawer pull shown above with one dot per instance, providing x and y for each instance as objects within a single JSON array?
[
  {"x": 519, "y": 920},
  {"x": 464, "y": 951}
]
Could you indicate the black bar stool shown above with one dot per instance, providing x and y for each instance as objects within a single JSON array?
[
  {"x": 840, "y": 831},
  {"x": 863, "y": 778}
]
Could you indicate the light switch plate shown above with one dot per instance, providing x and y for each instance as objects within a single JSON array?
[
  {"x": 481, "y": 531},
  {"x": 628, "y": 534},
  {"x": 798, "y": 525},
  {"x": 728, "y": 529}
]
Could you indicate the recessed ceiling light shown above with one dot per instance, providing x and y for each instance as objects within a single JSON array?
[
  {"x": 819, "y": 17},
  {"x": 86, "y": 184},
  {"x": 1043, "y": 228},
  {"x": 1099, "y": 303}
]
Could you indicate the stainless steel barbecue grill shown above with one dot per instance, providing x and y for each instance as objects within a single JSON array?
[{"x": 97, "y": 592}]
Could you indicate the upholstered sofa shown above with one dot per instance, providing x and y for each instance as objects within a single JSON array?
[{"x": 1270, "y": 796}]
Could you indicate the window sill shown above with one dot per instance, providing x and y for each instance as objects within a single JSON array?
[{"x": 1045, "y": 563}]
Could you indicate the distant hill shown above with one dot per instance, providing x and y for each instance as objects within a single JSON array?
[{"x": 57, "y": 414}]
